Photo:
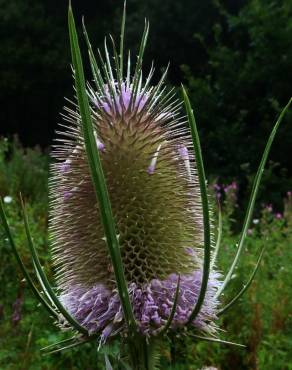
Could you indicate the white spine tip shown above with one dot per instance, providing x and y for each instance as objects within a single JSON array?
[{"x": 152, "y": 166}]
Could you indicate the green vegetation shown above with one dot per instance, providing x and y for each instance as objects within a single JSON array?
[
  {"x": 241, "y": 90},
  {"x": 261, "y": 320},
  {"x": 234, "y": 60}
]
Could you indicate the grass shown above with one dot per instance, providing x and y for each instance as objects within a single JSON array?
[{"x": 262, "y": 319}]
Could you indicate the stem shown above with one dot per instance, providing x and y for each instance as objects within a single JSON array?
[
  {"x": 172, "y": 353},
  {"x": 141, "y": 353}
]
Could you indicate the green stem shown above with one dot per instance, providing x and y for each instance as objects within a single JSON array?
[{"x": 141, "y": 353}]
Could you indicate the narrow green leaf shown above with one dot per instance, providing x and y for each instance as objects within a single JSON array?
[
  {"x": 173, "y": 309},
  {"x": 138, "y": 67},
  {"x": 108, "y": 64},
  {"x": 109, "y": 80},
  {"x": 94, "y": 67},
  {"x": 128, "y": 69},
  {"x": 117, "y": 65},
  {"x": 44, "y": 289},
  {"x": 141, "y": 53},
  {"x": 44, "y": 280},
  {"x": 219, "y": 341},
  {"x": 219, "y": 237},
  {"x": 205, "y": 205},
  {"x": 65, "y": 341},
  {"x": 31, "y": 284},
  {"x": 245, "y": 287},
  {"x": 70, "y": 346},
  {"x": 122, "y": 37},
  {"x": 98, "y": 176},
  {"x": 252, "y": 199}
]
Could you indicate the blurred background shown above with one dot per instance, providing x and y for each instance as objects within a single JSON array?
[{"x": 235, "y": 59}]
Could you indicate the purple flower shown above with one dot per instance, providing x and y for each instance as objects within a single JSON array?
[
  {"x": 17, "y": 307},
  {"x": 99, "y": 309},
  {"x": 121, "y": 102}
]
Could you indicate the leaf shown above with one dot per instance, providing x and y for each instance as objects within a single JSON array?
[
  {"x": 173, "y": 309},
  {"x": 30, "y": 282},
  {"x": 139, "y": 63},
  {"x": 245, "y": 287},
  {"x": 50, "y": 348},
  {"x": 68, "y": 340},
  {"x": 94, "y": 67},
  {"x": 219, "y": 341},
  {"x": 121, "y": 69},
  {"x": 73, "y": 345},
  {"x": 252, "y": 198},
  {"x": 98, "y": 176},
  {"x": 44, "y": 280},
  {"x": 205, "y": 206}
]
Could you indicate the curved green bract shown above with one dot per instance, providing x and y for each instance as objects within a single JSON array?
[
  {"x": 121, "y": 67},
  {"x": 44, "y": 280},
  {"x": 30, "y": 282},
  {"x": 205, "y": 205},
  {"x": 173, "y": 309},
  {"x": 64, "y": 341},
  {"x": 252, "y": 199},
  {"x": 245, "y": 287},
  {"x": 73, "y": 345},
  {"x": 98, "y": 176},
  {"x": 219, "y": 341},
  {"x": 93, "y": 64}
]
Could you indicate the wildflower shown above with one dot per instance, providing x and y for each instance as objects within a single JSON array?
[
  {"x": 7, "y": 199},
  {"x": 269, "y": 208},
  {"x": 217, "y": 189},
  {"x": 148, "y": 162},
  {"x": 17, "y": 307},
  {"x": 233, "y": 185},
  {"x": 278, "y": 216}
]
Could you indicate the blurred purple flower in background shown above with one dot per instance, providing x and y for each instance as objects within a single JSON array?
[{"x": 17, "y": 308}]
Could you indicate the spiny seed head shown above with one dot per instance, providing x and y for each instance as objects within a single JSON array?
[{"x": 149, "y": 167}]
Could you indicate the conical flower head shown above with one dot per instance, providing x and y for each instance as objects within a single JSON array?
[{"x": 150, "y": 172}]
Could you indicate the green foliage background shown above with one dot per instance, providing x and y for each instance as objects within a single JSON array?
[
  {"x": 262, "y": 320},
  {"x": 243, "y": 88}
]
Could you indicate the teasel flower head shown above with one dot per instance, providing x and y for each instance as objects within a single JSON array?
[{"x": 149, "y": 166}]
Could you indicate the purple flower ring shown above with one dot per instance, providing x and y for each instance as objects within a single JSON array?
[{"x": 99, "y": 309}]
